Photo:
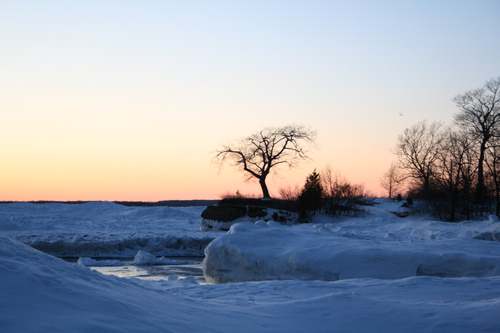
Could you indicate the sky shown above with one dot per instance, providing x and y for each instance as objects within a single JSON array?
[{"x": 128, "y": 100}]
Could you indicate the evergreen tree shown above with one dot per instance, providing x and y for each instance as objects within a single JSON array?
[{"x": 311, "y": 196}]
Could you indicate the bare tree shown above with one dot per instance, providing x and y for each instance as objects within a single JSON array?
[
  {"x": 480, "y": 115},
  {"x": 417, "y": 149},
  {"x": 262, "y": 152},
  {"x": 289, "y": 193},
  {"x": 340, "y": 194},
  {"x": 493, "y": 162},
  {"x": 392, "y": 180},
  {"x": 455, "y": 176}
]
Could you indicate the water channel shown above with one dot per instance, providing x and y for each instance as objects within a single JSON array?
[{"x": 191, "y": 267}]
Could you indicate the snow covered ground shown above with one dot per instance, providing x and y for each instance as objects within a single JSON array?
[
  {"x": 105, "y": 229},
  {"x": 378, "y": 273}
]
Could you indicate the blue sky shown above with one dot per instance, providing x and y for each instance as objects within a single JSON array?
[{"x": 109, "y": 100}]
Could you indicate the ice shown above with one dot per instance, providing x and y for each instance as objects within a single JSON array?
[
  {"x": 92, "y": 262},
  {"x": 172, "y": 277},
  {"x": 146, "y": 258}
]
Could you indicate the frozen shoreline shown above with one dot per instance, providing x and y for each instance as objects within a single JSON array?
[{"x": 370, "y": 254}]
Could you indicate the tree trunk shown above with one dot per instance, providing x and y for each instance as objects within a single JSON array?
[
  {"x": 481, "y": 187},
  {"x": 263, "y": 186},
  {"x": 497, "y": 197},
  {"x": 453, "y": 205},
  {"x": 427, "y": 187}
]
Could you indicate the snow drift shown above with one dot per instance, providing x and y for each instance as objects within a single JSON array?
[
  {"x": 270, "y": 251},
  {"x": 41, "y": 293}
]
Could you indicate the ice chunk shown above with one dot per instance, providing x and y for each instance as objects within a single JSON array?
[
  {"x": 143, "y": 258},
  {"x": 93, "y": 262},
  {"x": 190, "y": 280},
  {"x": 172, "y": 277}
]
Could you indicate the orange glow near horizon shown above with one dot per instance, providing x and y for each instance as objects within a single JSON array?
[{"x": 86, "y": 184}]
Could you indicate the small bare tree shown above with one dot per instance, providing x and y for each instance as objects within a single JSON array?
[
  {"x": 262, "y": 152},
  {"x": 392, "y": 180},
  {"x": 289, "y": 193},
  {"x": 340, "y": 194}
]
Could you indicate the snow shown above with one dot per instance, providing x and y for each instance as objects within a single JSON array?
[
  {"x": 332, "y": 253},
  {"x": 146, "y": 258},
  {"x": 377, "y": 273},
  {"x": 105, "y": 229}
]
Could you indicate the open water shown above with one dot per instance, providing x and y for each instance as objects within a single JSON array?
[{"x": 152, "y": 272}]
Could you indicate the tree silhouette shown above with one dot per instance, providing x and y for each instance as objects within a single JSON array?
[
  {"x": 262, "y": 152},
  {"x": 480, "y": 115},
  {"x": 311, "y": 196},
  {"x": 392, "y": 180},
  {"x": 418, "y": 152}
]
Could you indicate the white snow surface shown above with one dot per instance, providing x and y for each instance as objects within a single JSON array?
[
  {"x": 381, "y": 246},
  {"x": 41, "y": 293},
  {"x": 105, "y": 229}
]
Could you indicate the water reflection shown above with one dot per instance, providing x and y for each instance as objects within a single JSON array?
[{"x": 155, "y": 272}]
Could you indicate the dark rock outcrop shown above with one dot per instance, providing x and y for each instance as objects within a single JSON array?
[{"x": 229, "y": 211}]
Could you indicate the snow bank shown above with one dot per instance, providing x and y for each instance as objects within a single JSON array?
[
  {"x": 40, "y": 293},
  {"x": 270, "y": 251},
  {"x": 493, "y": 219}
]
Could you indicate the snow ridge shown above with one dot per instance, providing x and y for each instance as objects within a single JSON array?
[{"x": 121, "y": 248}]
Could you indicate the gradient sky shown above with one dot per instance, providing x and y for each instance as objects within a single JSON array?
[{"x": 126, "y": 100}]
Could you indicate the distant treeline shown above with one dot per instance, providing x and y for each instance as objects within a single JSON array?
[{"x": 170, "y": 203}]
